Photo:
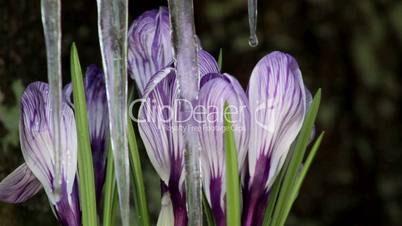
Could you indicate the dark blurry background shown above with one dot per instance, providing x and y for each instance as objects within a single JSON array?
[{"x": 351, "y": 49}]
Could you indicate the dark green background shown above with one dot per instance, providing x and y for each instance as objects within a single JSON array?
[{"x": 351, "y": 49}]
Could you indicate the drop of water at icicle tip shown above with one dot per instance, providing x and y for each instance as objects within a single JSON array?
[{"x": 253, "y": 40}]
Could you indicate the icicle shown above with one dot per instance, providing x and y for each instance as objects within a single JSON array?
[
  {"x": 185, "y": 44},
  {"x": 112, "y": 25},
  {"x": 252, "y": 21},
  {"x": 50, "y": 10}
]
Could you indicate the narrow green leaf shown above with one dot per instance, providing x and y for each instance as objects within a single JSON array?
[
  {"x": 109, "y": 194},
  {"x": 300, "y": 178},
  {"x": 85, "y": 165},
  {"x": 284, "y": 199},
  {"x": 139, "y": 188},
  {"x": 207, "y": 211},
  {"x": 232, "y": 174},
  {"x": 220, "y": 59}
]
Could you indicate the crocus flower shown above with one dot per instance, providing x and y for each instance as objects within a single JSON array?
[
  {"x": 278, "y": 103},
  {"x": 150, "y": 48},
  {"x": 272, "y": 116},
  {"x": 37, "y": 148},
  {"x": 164, "y": 142},
  {"x": 150, "y": 64},
  {"x": 36, "y": 145},
  {"x": 216, "y": 90}
]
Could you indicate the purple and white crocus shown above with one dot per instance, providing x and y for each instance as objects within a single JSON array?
[
  {"x": 278, "y": 101},
  {"x": 37, "y": 148},
  {"x": 150, "y": 64},
  {"x": 216, "y": 90},
  {"x": 265, "y": 125},
  {"x": 266, "y": 121}
]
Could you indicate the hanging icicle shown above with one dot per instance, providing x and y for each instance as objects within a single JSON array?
[
  {"x": 252, "y": 21},
  {"x": 50, "y": 10},
  {"x": 185, "y": 43},
  {"x": 112, "y": 25}
]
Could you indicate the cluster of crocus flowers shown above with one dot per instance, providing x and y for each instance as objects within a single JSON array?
[
  {"x": 38, "y": 171},
  {"x": 266, "y": 120}
]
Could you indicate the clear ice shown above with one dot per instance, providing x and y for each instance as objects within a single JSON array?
[
  {"x": 185, "y": 44},
  {"x": 50, "y": 10},
  {"x": 112, "y": 25},
  {"x": 252, "y": 21}
]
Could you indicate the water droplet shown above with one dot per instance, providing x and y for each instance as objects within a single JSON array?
[
  {"x": 252, "y": 20},
  {"x": 253, "y": 40}
]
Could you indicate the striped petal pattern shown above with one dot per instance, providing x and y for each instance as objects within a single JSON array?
[
  {"x": 37, "y": 149},
  {"x": 95, "y": 91},
  {"x": 19, "y": 186},
  {"x": 157, "y": 117},
  {"x": 36, "y": 142},
  {"x": 277, "y": 101},
  {"x": 210, "y": 115},
  {"x": 67, "y": 209},
  {"x": 206, "y": 63},
  {"x": 149, "y": 46},
  {"x": 159, "y": 126}
]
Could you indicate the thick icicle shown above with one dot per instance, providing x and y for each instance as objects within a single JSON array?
[
  {"x": 185, "y": 43},
  {"x": 50, "y": 10},
  {"x": 112, "y": 25},
  {"x": 252, "y": 21}
]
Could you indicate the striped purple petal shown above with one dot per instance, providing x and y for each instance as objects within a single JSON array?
[
  {"x": 160, "y": 129},
  {"x": 37, "y": 149},
  {"x": 95, "y": 91},
  {"x": 277, "y": 104},
  {"x": 67, "y": 209},
  {"x": 206, "y": 63},
  {"x": 19, "y": 186},
  {"x": 36, "y": 142},
  {"x": 210, "y": 115},
  {"x": 149, "y": 46}
]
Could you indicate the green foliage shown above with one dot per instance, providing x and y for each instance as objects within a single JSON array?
[
  {"x": 207, "y": 211},
  {"x": 233, "y": 210},
  {"x": 288, "y": 182},
  {"x": 139, "y": 188},
  {"x": 9, "y": 117},
  {"x": 85, "y": 164},
  {"x": 110, "y": 195}
]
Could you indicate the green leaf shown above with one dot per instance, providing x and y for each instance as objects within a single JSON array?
[
  {"x": 285, "y": 200},
  {"x": 232, "y": 174},
  {"x": 273, "y": 195},
  {"x": 110, "y": 196},
  {"x": 308, "y": 162},
  {"x": 301, "y": 177},
  {"x": 85, "y": 165},
  {"x": 139, "y": 188},
  {"x": 220, "y": 58},
  {"x": 207, "y": 211}
]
